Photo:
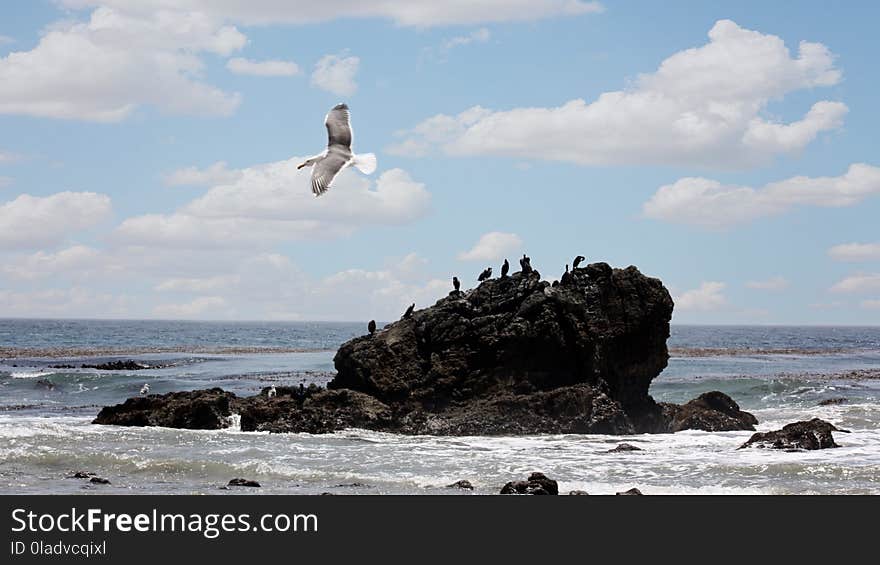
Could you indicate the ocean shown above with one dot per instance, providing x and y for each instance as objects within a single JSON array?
[{"x": 780, "y": 374}]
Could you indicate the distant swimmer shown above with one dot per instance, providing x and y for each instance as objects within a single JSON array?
[
  {"x": 145, "y": 390},
  {"x": 505, "y": 268},
  {"x": 487, "y": 274},
  {"x": 272, "y": 392},
  {"x": 371, "y": 327},
  {"x": 456, "y": 284},
  {"x": 409, "y": 311},
  {"x": 577, "y": 261}
]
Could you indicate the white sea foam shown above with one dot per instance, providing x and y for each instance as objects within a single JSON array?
[{"x": 30, "y": 374}]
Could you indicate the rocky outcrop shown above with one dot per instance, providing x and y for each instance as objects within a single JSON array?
[
  {"x": 516, "y": 355},
  {"x": 711, "y": 412},
  {"x": 623, "y": 448},
  {"x": 812, "y": 434},
  {"x": 537, "y": 483}
]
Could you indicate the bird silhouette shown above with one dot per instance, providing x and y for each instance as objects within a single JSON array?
[
  {"x": 409, "y": 311},
  {"x": 577, "y": 261},
  {"x": 456, "y": 284},
  {"x": 505, "y": 268},
  {"x": 526, "y": 264},
  {"x": 371, "y": 327},
  {"x": 487, "y": 274}
]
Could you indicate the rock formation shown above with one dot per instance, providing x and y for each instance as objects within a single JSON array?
[{"x": 812, "y": 434}]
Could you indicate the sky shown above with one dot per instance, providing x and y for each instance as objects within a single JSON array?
[{"x": 148, "y": 153}]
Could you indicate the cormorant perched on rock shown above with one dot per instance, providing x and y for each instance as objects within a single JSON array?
[
  {"x": 505, "y": 268},
  {"x": 577, "y": 261},
  {"x": 487, "y": 274},
  {"x": 566, "y": 276},
  {"x": 371, "y": 327},
  {"x": 456, "y": 284},
  {"x": 526, "y": 264},
  {"x": 409, "y": 311}
]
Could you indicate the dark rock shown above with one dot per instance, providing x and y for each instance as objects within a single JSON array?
[
  {"x": 462, "y": 484},
  {"x": 812, "y": 434},
  {"x": 117, "y": 366},
  {"x": 243, "y": 483},
  {"x": 711, "y": 412},
  {"x": 630, "y": 492},
  {"x": 99, "y": 481},
  {"x": 538, "y": 483},
  {"x": 624, "y": 447},
  {"x": 834, "y": 401},
  {"x": 196, "y": 410},
  {"x": 62, "y": 367},
  {"x": 578, "y": 493},
  {"x": 81, "y": 475}
]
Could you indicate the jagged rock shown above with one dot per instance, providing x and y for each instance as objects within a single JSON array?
[
  {"x": 463, "y": 484},
  {"x": 833, "y": 401},
  {"x": 623, "y": 447},
  {"x": 711, "y": 412},
  {"x": 238, "y": 482},
  {"x": 537, "y": 483},
  {"x": 196, "y": 410},
  {"x": 630, "y": 492},
  {"x": 81, "y": 475},
  {"x": 99, "y": 481},
  {"x": 128, "y": 365},
  {"x": 812, "y": 434}
]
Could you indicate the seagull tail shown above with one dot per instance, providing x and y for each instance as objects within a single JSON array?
[{"x": 365, "y": 163}]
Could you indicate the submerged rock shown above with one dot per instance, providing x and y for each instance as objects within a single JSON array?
[
  {"x": 711, "y": 412},
  {"x": 537, "y": 483},
  {"x": 578, "y": 493},
  {"x": 833, "y": 401},
  {"x": 812, "y": 434},
  {"x": 238, "y": 482},
  {"x": 99, "y": 481},
  {"x": 630, "y": 492},
  {"x": 513, "y": 356},
  {"x": 128, "y": 365},
  {"x": 463, "y": 484},
  {"x": 623, "y": 447}
]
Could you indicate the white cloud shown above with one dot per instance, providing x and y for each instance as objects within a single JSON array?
[
  {"x": 6, "y": 157},
  {"x": 273, "y": 202},
  {"x": 270, "y": 68},
  {"x": 855, "y": 252},
  {"x": 335, "y": 73},
  {"x": 708, "y": 296},
  {"x": 481, "y": 35},
  {"x": 420, "y": 13},
  {"x": 214, "y": 306},
  {"x": 5, "y": 40},
  {"x": 34, "y": 221},
  {"x": 702, "y": 107},
  {"x": 74, "y": 302},
  {"x": 77, "y": 260},
  {"x": 216, "y": 174},
  {"x": 119, "y": 59},
  {"x": 198, "y": 285},
  {"x": 871, "y": 304},
  {"x": 709, "y": 204},
  {"x": 773, "y": 283},
  {"x": 858, "y": 283},
  {"x": 491, "y": 246}
]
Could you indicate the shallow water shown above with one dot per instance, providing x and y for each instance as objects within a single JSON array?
[{"x": 45, "y": 433}]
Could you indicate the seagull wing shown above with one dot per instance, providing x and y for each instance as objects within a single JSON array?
[
  {"x": 326, "y": 170},
  {"x": 338, "y": 122}
]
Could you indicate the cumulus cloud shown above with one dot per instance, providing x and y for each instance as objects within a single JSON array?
[
  {"x": 6, "y": 157},
  {"x": 5, "y": 40},
  {"x": 71, "y": 302},
  {"x": 215, "y": 174},
  {"x": 119, "y": 59},
  {"x": 706, "y": 297},
  {"x": 773, "y": 283},
  {"x": 77, "y": 260},
  {"x": 491, "y": 246},
  {"x": 481, "y": 35},
  {"x": 858, "y": 283},
  {"x": 707, "y": 203},
  {"x": 273, "y": 202},
  {"x": 335, "y": 73},
  {"x": 213, "y": 306},
  {"x": 855, "y": 252},
  {"x": 270, "y": 68},
  {"x": 419, "y": 13},
  {"x": 702, "y": 107},
  {"x": 30, "y": 222}
]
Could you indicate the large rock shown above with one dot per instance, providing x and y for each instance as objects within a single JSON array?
[
  {"x": 711, "y": 412},
  {"x": 812, "y": 434},
  {"x": 516, "y": 355}
]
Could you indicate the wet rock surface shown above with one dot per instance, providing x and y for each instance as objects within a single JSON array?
[
  {"x": 711, "y": 412},
  {"x": 537, "y": 483},
  {"x": 797, "y": 436}
]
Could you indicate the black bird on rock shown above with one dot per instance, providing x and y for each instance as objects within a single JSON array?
[
  {"x": 456, "y": 284},
  {"x": 409, "y": 311},
  {"x": 526, "y": 264},
  {"x": 371, "y": 327},
  {"x": 566, "y": 276},
  {"x": 505, "y": 268},
  {"x": 577, "y": 261},
  {"x": 487, "y": 274}
]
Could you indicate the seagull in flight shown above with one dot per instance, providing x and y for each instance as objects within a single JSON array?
[{"x": 338, "y": 155}]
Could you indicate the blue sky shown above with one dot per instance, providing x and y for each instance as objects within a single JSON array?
[{"x": 148, "y": 152}]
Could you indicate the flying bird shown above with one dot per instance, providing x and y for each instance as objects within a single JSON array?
[
  {"x": 487, "y": 274},
  {"x": 371, "y": 327},
  {"x": 505, "y": 268},
  {"x": 145, "y": 390},
  {"x": 409, "y": 311},
  {"x": 456, "y": 284},
  {"x": 577, "y": 261},
  {"x": 338, "y": 154}
]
